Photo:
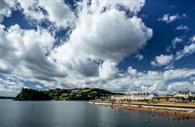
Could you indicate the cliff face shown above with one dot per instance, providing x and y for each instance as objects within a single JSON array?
[
  {"x": 63, "y": 94},
  {"x": 30, "y": 94}
]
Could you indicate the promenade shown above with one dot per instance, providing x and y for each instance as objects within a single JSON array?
[{"x": 177, "y": 110}]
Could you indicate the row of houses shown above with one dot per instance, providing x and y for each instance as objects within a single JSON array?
[
  {"x": 133, "y": 97},
  {"x": 179, "y": 96},
  {"x": 185, "y": 94}
]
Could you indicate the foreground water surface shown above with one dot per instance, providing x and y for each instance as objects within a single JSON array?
[{"x": 78, "y": 114}]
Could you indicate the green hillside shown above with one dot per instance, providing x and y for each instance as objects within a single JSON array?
[{"x": 63, "y": 94}]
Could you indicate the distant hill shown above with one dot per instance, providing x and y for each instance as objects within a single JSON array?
[
  {"x": 4, "y": 97},
  {"x": 63, "y": 94}
]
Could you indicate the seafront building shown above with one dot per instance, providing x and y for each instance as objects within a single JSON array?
[
  {"x": 168, "y": 98},
  {"x": 180, "y": 96},
  {"x": 177, "y": 97},
  {"x": 133, "y": 97},
  {"x": 142, "y": 96},
  {"x": 119, "y": 98},
  {"x": 184, "y": 94}
]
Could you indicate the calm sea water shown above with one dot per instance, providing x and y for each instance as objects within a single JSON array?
[{"x": 78, "y": 114}]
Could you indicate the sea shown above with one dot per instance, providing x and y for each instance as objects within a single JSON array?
[{"x": 79, "y": 114}]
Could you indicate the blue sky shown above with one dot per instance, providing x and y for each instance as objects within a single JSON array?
[
  {"x": 165, "y": 33},
  {"x": 125, "y": 46}
]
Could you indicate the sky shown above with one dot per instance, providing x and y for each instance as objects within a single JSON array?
[{"x": 117, "y": 45}]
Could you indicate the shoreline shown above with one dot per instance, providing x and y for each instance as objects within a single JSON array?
[{"x": 175, "y": 111}]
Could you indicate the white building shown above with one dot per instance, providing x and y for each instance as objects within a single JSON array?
[
  {"x": 184, "y": 94},
  {"x": 133, "y": 97},
  {"x": 142, "y": 96},
  {"x": 119, "y": 98}
]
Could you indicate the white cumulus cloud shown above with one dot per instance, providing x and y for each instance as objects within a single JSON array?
[
  {"x": 162, "y": 60},
  {"x": 182, "y": 27},
  {"x": 6, "y": 7},
  {"x": 101, "y": 36},
  {"x": 167, "y": 18},
  {"x": 187, "y": 50}
]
